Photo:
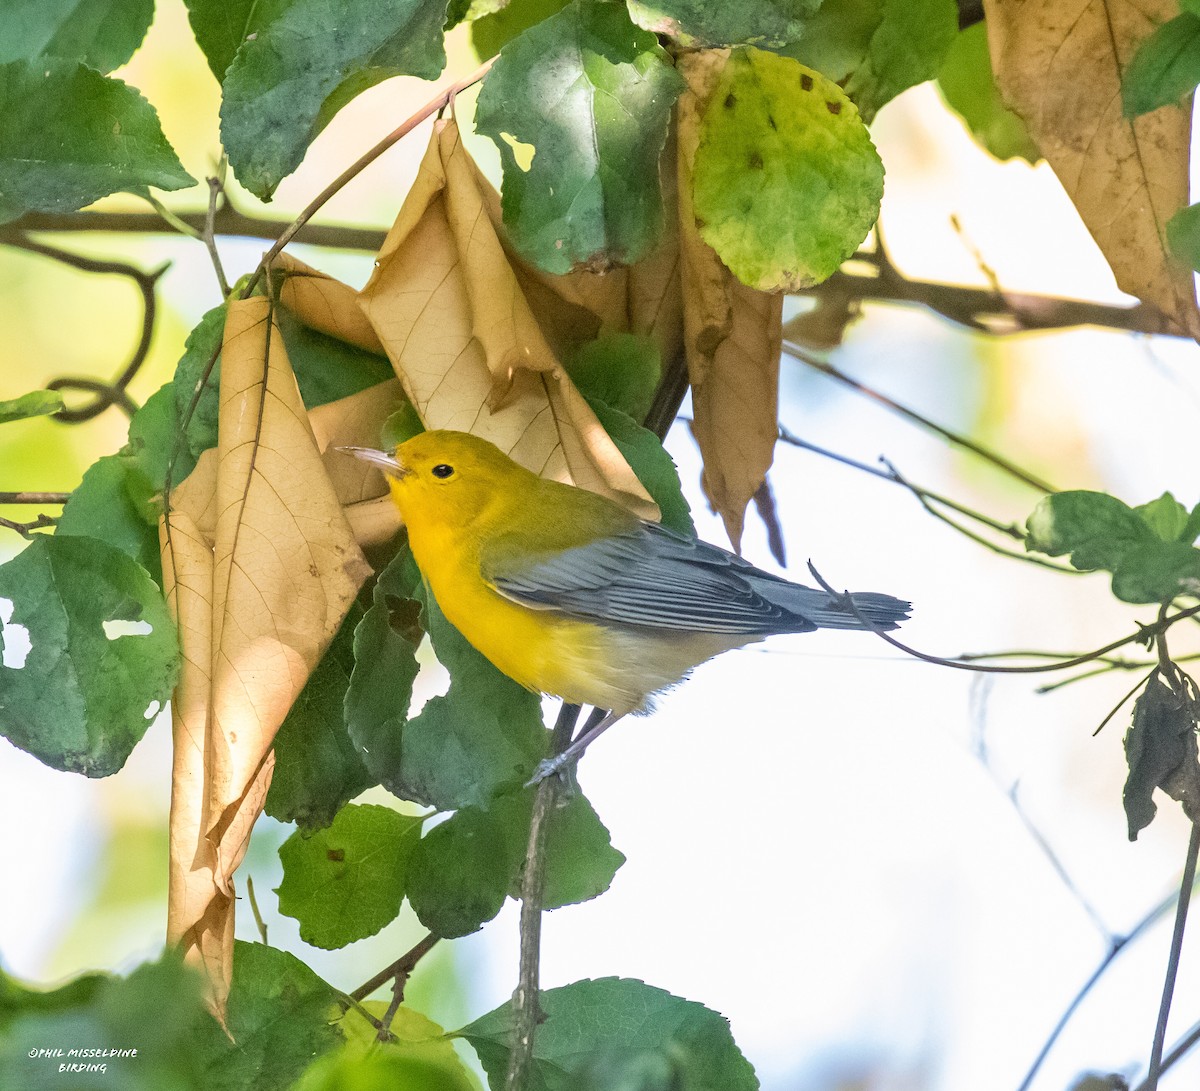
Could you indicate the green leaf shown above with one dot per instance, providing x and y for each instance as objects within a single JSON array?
[
  {"x": 417, "y": 1057},
  {"x": 280, "y": 1016},
  {"x": 592, "y": 95},
  {"x": 787, "y": 182},
  {"x": 82, "y": 699},
  {"x": 580, "y": 859},
  {"x": 328, "y": 369},
  {"x": 1183, "y": 235},
  {"x": 767, "y": 24},
  {"x": 101, "y": 33},
  {"x": 483, "y": 738},
  {"x": 1165, "y": 67},
  {"x": 317, "y": 768},
  {"x": 969, "y": 88},
  {"x": 111, "y": 504},
  {"x": 1166, "y": 516},
  {"x": 69, "y": 136},
  {"x": 37, "y": 403},
  {"x": 615, "y": 1019},
  {"x": 221, "y": 26},
  {"x": 835, "y": 41},
  {"x": 620, "y": 369},
  {"x": 1156, "y": 572},
  {"x": 647, "y": 457},
  {"x": 385, "y": 665},
  {"x": 1095, "y": 528},
  {"x": 277, "y": 89},
  {"x": 493, "y": 32},
  {"x": 153, "y": 437},
  {"x": 908, "y": 47},
  {"x": 202, "y": 342},
  {"x": 346, "y": 882},
  {"x": 1160, "y": 748},
  {"x": 156, "y": 1009},
  {"x": 400, "y": 426},
  {"x": 462, "y": 870}
]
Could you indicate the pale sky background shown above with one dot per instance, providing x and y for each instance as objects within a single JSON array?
[{"x": 815, "y": 847}]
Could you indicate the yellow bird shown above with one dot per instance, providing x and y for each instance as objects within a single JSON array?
[{"x": 569, "y": 594}]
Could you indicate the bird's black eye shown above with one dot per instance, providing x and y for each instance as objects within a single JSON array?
[{"x": 442, "y": 470}]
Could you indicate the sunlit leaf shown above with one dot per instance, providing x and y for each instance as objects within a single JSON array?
[
  {"x": 69, "y": 135},
  {"x": 591, "y": 94},
  {"x": 37, "y": 403},
  {"x": 88, "y": 651},
  {"x": 786, "y": 180},
  {"x": 346, "y": 882},
  {"x": 616, "y": 1019}
]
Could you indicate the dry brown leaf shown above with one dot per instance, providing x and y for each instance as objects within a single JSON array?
[
  {"x": 732, "y": 335},
  {"x": 1059, "y": 65},
  {"x": 257, "y": 601},
  {"x": 447, "y": 306},
  {"x": 323, "y": 303}
]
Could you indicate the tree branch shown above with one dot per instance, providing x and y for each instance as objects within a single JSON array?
[{"x": 403, "y": 966}]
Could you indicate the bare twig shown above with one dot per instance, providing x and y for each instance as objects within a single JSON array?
[
  {"x": 34, "y": 497},
  {"x": 805, "y": 357},
  {"x": 402, "y": 967},
  {"x": 1116, "y": 946},
  {"x": 1181, "y": 911},
  {"x": 1178, "y": 1051},
  {"x": 25, "y": 530},
  {"x": 106, "y": 393},
  {"x": 1144, "y": 633},
  {"x": 526, "y": 1011},
  {"x": 216, "y": 190}
]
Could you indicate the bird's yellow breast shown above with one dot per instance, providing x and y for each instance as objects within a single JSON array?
[
  {"x": 579, "y": 661},
  {"x": 539, "y": 649}
]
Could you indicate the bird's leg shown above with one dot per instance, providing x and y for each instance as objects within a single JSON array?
[{"x": 599, "y": 722}]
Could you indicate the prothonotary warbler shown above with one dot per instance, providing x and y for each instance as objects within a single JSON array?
[{"x": 570, "y": 594}]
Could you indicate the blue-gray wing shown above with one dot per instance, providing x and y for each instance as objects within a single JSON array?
[{"x": 654, "y": 577}]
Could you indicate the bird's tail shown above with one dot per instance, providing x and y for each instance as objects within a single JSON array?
[{"x": 878, "y": 611}]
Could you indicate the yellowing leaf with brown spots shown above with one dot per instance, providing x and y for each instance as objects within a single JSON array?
[
  {"x": 448, "y": 308},
  {"x": 260, "y": 568},
  {"x": 732, "y": 334},
  {"x": 1058, "y": 64}
]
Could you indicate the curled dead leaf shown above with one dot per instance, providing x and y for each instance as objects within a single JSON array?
[
  {"x": 449, "y": 311},
  {"x": 1125, "y": 178},
  {"x": 258, "y": 593},
  {"x": 732, "y": 335}
]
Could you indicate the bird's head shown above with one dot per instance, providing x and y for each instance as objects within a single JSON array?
[{"x": 442, "y": 476}]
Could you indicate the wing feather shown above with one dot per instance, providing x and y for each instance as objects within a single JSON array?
[{"x": 649, "y": 576}]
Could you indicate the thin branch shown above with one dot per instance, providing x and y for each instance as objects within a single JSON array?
[
  {"x": 798, "y": 352},
  {"x": 404, "y": 965},
  {"x": 359, "y": 165},
  {"x": 107, "y": 394},
  {"x": 1116, "y": 946},
  {"x": 672, "y": 389},
  {"x": 34, "y": 497},
  {"x": 1143, "y": 634},
  {"x": 1181, "y": 911},
  {"x": 526, "y": 1011},
  {"x": 216, "y": 189},
  {"x": 25, "y": 530},
  {"x": 229, "y": 222},
  {"x": 1180, "y": 1050}
]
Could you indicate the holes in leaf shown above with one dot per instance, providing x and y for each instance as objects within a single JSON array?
[
  {"x": 152, "y": 710},
  {"x": 522, "y": 153},
  {"x": 118, "y": 628},
  {"x": 15, "y": 638}
]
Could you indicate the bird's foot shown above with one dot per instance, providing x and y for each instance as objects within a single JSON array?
[{"x": 561, "y": 766}]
